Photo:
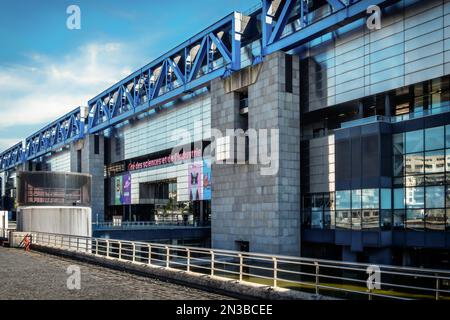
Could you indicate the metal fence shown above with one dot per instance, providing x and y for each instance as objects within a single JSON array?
[
  {"x": 329, "y": 278},
  {"x": 150, "y": 224}
]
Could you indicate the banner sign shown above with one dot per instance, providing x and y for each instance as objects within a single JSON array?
[
  {"x": 199, "y": 180},
  {"x": 173, "y": 158},
  {"x": 122, "y": 186}
]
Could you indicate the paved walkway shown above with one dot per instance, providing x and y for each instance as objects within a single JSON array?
[{"x": 34, "y": 275}]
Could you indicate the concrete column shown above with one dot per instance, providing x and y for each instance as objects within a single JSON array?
[
  {"x": 247, "y": 205},
  {"x": 92, "y": 164}
]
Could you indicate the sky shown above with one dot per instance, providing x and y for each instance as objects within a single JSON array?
[{"x": 47, "y": 70}]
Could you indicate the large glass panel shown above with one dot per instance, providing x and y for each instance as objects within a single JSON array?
[
  {"x": 343, "y": 200},
  {"x": 414, "y": 164},
  {"x": 435, "y": 219},
  {"x": 447, "y": 136},
  {"x": 399, "y": 219},
  {"x": 415, "y": 219},
  {"x": 386, "y": 199},
  {"x": 435, "y": 161},
  {"x": 399, "y": 198},
  {"x": 356, "y": 199},
  {"x": 316, "y": 219},
  {"x": 356, "y": 219},
  {"x": 370, "y": 199},
  {"x": 386, "y": 220},
  {"x": 307, "y": 218},
  {"x": 435, "y": 179},
  {"x": 415, "y": 197},
  {"x": 370, "y": 219},
  {"x": 343, "y": 219},
  {"x": 398, "y": 161},
  {"x": 414, "y": 141},
  {"x": 447, "y": 160},
  {"x": 434, "y": 138},
  {"x": 399, "y": 143},
  {"x": 328, "y": 222},
  {"x": 447, "y": 197},
  {"x": 435, "y": 197},
  {"x": 415, "y": 181}
]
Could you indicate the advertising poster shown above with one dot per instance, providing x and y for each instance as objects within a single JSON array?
[
  {"x": 118, "y": 190},
  {"x": 122, "y": 186},
  {"x": 200, "y": 180},
  {"x": 126, "y": 189},
  {"x": 195, "y": 181},
  {"x": 206, "y": 180}
]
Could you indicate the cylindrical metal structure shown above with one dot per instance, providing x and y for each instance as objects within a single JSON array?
[{"x": 54, "y": 202}]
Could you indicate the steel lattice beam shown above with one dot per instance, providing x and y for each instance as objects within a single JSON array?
[
  {"x": 63, "y": 131},
  {"x": 213, "y": 53},
  {"x": 276, "y": 14}
]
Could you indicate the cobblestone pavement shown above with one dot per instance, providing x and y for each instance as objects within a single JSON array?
[{"x": 34, "y": 275}]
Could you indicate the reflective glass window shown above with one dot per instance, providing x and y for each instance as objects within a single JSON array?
[
  {"x": 343, "y": 219},
  {"x": 415, "y": 197},
  {"x": 386, "y": 199},
  {"x": 386, "y": 220},
  {"x": 435, "y": 197},
  {"x": 414, "y": 141},
  {"x": 370, "y": 199},
  {"x": 414, "y": 164},
  {"x": 316, "y": 219},
  {"x": 356, "y": 199},
  {"x": 328, "y": 221},
  {"x": 356, "y": 219},
  {"x": 398, "y": 165},
  {"x": 434, "y": 138},
  {"x": 399, "y": 143},
  {"x": 370, "y": 219},
  {"x": 399, "y": 219},
  {"x": 415, "y": 218},
  {"x": 435, "y": 161},
  {"x": 435, "y": 219},
  {"x": 343, "y": 200},
  {"x": 447, "y": 136},
  {"x": 399, "y": 198}
]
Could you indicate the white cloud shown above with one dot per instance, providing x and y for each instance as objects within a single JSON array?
[{"x": 42, "y": 90}]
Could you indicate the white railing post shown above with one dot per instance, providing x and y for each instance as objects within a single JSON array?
[
  {"x": 212, "y": 262},
  {"x": 78, "y": 244},
  {"x": 120, "y": 250},
  {"x": 134, "y": 252},
  {"x": 167, "y": 257},
  {"x": 107, "y": 248},
  {"x": 96, "y": 247},
  {"x": 241, "y": 266},
  {"x": 275, "y": 272},
  {"x": 62, "y": 241},
  {"x": 317, "y": 276},
  {"x": 150, "y": 254},
  {"x": 188, "y": 262},
  {"x": 438, "y": 287}
]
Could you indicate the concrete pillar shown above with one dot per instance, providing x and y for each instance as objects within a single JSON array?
[
  {"x": 246, "y": 204},
  {"x": 92, "y": 164}
]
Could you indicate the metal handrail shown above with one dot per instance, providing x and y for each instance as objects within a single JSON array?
[
  {"x": 318, "y": 276},
  {"x": 146, "y": 224}
]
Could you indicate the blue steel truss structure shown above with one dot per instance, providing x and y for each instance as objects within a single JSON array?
[
  {"x": 213, "y": 53},
  {"x": 59, "y": 133}
]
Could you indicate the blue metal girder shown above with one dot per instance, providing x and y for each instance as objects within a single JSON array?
[
  {"x": 63, "y": 131},
  {"x": 341, "y": 14},
  {"x": 11, "y": 157},
  {"x": 210, "y": 54}
]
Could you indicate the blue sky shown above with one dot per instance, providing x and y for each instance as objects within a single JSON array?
[{"x": 47, "y": 70}]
